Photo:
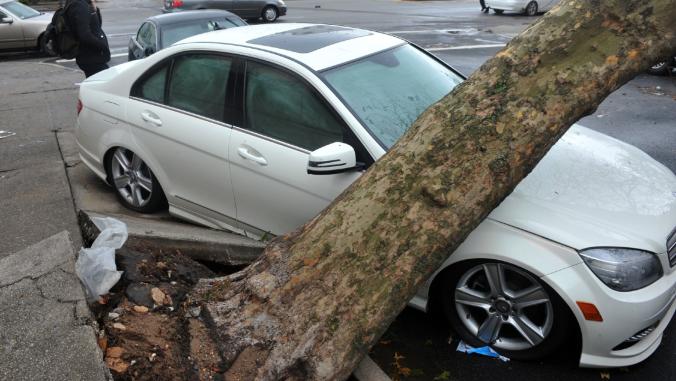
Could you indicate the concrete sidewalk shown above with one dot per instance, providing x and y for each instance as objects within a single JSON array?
[{"x": 46, "y": 329}]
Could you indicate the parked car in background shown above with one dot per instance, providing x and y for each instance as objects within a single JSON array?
[
  {"x": 268, "y": 10},
  {"x": 158, "y": 32},
  {"x": 22, "y": 27},
  {"x": 664, "y": 67},
  {"x": 528, "y": 7},
  {"x": 257, "y": 129}
]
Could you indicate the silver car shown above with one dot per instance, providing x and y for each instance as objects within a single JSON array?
[
  {"x": 268, "y": 10},
  {"x": 22, "y": 27}
]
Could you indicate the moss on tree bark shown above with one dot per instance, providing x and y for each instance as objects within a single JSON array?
[{"x": 320, "y": 297}]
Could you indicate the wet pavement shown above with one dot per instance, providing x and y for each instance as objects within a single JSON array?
[{"x": 416, "y": 347}]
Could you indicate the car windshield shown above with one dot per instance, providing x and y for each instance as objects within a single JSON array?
[
  {"x": 389, "y": 90},
  {"x": 176, "y": 32},
  {"x": 19, "y": 10}
]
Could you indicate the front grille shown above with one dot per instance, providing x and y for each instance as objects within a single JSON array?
[{"x": 671, "y": 247}]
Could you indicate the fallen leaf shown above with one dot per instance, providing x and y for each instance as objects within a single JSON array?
[
  {"x": 102, "y": 341},
  {"x": 116, "y": 364},
  {"x": 605, "y": 375},
  {"x": 114, "y": 352}
]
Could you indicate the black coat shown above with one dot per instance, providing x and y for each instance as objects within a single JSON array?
[{"x": 85, "y": 21}]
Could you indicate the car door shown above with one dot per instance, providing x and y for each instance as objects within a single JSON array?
[
  {"x": 180, "y": 123},
  {"x": 284, "y": 120},
  {"x": 247, "y": 8},
  {"x": 218, "y": 4},
  {"x": 146, "y": 37},
  {"x": 11, "y": 33}
]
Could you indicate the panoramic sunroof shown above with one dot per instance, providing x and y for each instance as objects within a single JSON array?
[{"x": 310, "y": 38}]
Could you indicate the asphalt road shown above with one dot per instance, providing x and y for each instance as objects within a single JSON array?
[{"x": 641, "y": 113}]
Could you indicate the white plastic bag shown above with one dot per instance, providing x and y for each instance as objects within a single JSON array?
[
  {"x": 96, "y": 266},
  {"x": 113, "y": 232}
]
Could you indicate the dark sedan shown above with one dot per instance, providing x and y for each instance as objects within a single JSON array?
[
  {"x": 160, "y": 31},
  {"x": 268, "y": 10}
]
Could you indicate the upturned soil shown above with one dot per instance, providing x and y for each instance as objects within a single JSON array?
[{"x": 148, "y": 331}]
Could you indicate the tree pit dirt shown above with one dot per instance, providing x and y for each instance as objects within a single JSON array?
[{"x": 148, "y": 332}]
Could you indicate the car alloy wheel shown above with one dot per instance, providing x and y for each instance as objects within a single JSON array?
[
  {"x": 135, "y": 185},
  {"x": 532, "y": 8},
  {"x": 270, "y": 14},
  {"x": 486, "y": 302},
  {"x": 506, "y": 307}
]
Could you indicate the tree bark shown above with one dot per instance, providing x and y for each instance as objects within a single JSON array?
[{"x": 320, "y": 297}]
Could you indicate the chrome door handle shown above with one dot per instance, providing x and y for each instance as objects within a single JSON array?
[
  {"x": 244, "y": 152},
  {"x": 152, "y": 118}
]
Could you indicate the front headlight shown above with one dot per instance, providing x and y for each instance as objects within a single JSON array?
[{"x": 623, "y": 269}]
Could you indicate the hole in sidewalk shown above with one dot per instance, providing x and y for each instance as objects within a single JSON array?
[{"x": 145, "y": 334}]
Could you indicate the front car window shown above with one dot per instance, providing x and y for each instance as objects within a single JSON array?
[
  {"x": 146, "y": 35},
  {"x": 283, "y": 107},
  {"x": 19, "y": 10},
  {"x": 389, "y": 90},
  {"x": 175, "y": 32}
]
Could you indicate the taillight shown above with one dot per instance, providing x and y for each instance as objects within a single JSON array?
[
  {"x": 79, "y": 106},
  {"x": 177, "y": 3}
]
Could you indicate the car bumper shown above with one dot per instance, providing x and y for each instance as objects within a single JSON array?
[
  {"x": 507, "y": 5},
  {"x": 645, "y": 312}
]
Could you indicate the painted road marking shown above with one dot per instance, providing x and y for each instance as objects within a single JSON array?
[
  {"x": 111, "y": 56},
  {"x": 466, "y": 47}
]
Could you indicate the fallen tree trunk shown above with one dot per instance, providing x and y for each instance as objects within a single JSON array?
[{"x": 320, "y": 297}]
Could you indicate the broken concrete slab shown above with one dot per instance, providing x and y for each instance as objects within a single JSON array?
[
  {"x": 197, "y": 242},
  {"x": 37, "y": 260},
  {"x": 45, "y": 326}
]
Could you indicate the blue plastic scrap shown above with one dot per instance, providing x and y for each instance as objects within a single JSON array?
[{"x": 484, "y": 351}]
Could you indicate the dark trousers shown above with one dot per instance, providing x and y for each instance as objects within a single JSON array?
[
  {"x": 483, "y": 4},
  {"x": 92, "y": 68}
]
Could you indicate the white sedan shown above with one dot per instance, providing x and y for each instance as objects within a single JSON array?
[
  {"x": 256, "y": 129},
  {"x": 528, "y": 7}
]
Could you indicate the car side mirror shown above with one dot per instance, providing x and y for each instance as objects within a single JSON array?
[
  {"x": 333, "y": 158},
  {"x": 148, "y": 51},
  {"x": 6, "y": 20}
]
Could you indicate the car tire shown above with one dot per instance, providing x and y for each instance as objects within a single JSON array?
[
  {"x": 541, "y": 326},
  {"x": 660, "y": 68},
  {"x": 44, "y": 47},
  {"x": 498, "y": 11},
  {"x": 532, "y": 8},
  {"x": 270, "y": 13},
  {"x": 135, "y": 184}
]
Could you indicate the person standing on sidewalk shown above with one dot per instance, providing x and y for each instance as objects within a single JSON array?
[{"x": 84, "y": 18}]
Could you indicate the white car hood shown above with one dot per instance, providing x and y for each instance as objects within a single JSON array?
[
  {"x": 44, "y": 18},
  {"x": 592, "y": 190}
]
